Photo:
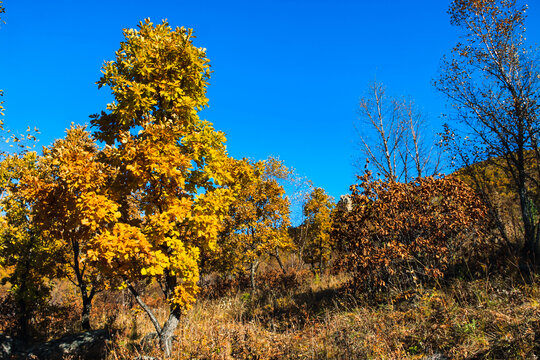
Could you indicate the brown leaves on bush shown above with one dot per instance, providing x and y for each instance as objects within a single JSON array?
[
  {"x": 270, "y": 281},
  {"x": 403, "y": 235}
]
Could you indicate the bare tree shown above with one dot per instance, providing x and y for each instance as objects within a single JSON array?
[
  {"x": 492, "y": 79},
  {"x": 424, "y": 155},
  {"x": 392, "y": 135}
]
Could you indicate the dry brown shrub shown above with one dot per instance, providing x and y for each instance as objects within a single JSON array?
[
  {"x": 400, "y": 236},
  {"x": 271, "y": 280},
  {"x": 8, "y": 314},
  {"x": 215, "y": 286},
  {"x": 278, "y": 281}
]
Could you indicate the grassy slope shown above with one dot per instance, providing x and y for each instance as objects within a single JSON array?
[
  {"x": 300, "y": 317},
  {"x": 487, "y": 318}
]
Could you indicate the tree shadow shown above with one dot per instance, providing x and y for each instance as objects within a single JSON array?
[{"x": 281, "y": 312}]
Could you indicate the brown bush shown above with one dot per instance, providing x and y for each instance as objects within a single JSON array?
[
  {"x": 8, "y": 315},
  {"x": 271, "y": 280},
  {"x": 402, "y": 235}
]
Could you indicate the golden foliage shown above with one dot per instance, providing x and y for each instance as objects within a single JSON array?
[
  {"x": 171, "y": 165},
  {"x": 28, "y": 260},
  {"x": 318, "y": 245},
  {"x": 258, "y": 219},
  {"x": 68, "y": 204},
  {"x": 68, "y": 195}
]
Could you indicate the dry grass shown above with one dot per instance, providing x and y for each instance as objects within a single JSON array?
[
  {"x": 479, "y": 319},
  {"x": 301, "y": 317}
]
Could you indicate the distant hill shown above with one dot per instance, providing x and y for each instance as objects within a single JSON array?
[{"x": 495, "y": 183}]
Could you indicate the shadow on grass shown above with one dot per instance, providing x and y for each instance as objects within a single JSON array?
[{"x": 281, "y": 312}]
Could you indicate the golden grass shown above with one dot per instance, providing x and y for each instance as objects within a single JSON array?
[
  {"x": 308, "y": 318},
  {"x": 465, "y": 320}
]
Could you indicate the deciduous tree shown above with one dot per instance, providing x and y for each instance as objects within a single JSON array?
[
  {"x": 171, "y": 167},
  {"x": 394, "y": 137},
  {"x": 28, "y": 257},
  {"x": 492, "y": 78},
  {"x": 258, "y": 221},
  {"x": 69, "y": 204},
  {"x": 317, "y": 245}
]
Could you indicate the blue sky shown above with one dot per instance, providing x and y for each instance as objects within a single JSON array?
[{"x": 287, "y": 74}]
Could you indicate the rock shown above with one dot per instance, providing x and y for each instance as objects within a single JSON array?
[
  {"x": 345, "y": 203},
  {"x": 87, "y": 345},
  {"x": 9, "y": 347},
  {"x": 90, "y": 345}
]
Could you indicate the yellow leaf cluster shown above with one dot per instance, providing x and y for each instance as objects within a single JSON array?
[
  {"x": 67, "y": 202},
  {"x": 96, "y": 210},
  {"x": 317, "y": 245},
  {"x": 126, "y": 250},
  {"x": 172, "y": 177},
  {"x": 258, "y": 221}
]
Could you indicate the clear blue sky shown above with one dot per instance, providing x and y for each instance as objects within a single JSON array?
[{"x": 287, "y": 74}]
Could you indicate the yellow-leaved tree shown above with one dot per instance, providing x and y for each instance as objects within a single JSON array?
[
  {"x": 258, "y": 221},
  {"x": 69, "y": 205},
  {"x": 27, "y": 258},
  {"x": 317, "y": 244},
  {"x": 171, "y": 167}
]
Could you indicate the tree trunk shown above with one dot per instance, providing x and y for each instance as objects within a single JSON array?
[
  {"x": 24, "y": 311},
  {"x": 85, "y": 317},
  {"x": 166, "y": 336},
  {"x": 83, "y": 284},
  {"x": 166, "y": 332},
  {"x": 145, "y": 307},
  {"x": 530, "y": 246},
  {"x": 252, "y": 271},
  {"x": 278, "y": 258},
  {"x": 23, "y": 320}
]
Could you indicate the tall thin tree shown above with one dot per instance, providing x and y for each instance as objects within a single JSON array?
[{"x": 492, "y": 79}]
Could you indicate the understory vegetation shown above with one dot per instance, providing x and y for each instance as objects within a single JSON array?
[{"x": 298, "y": 316}]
